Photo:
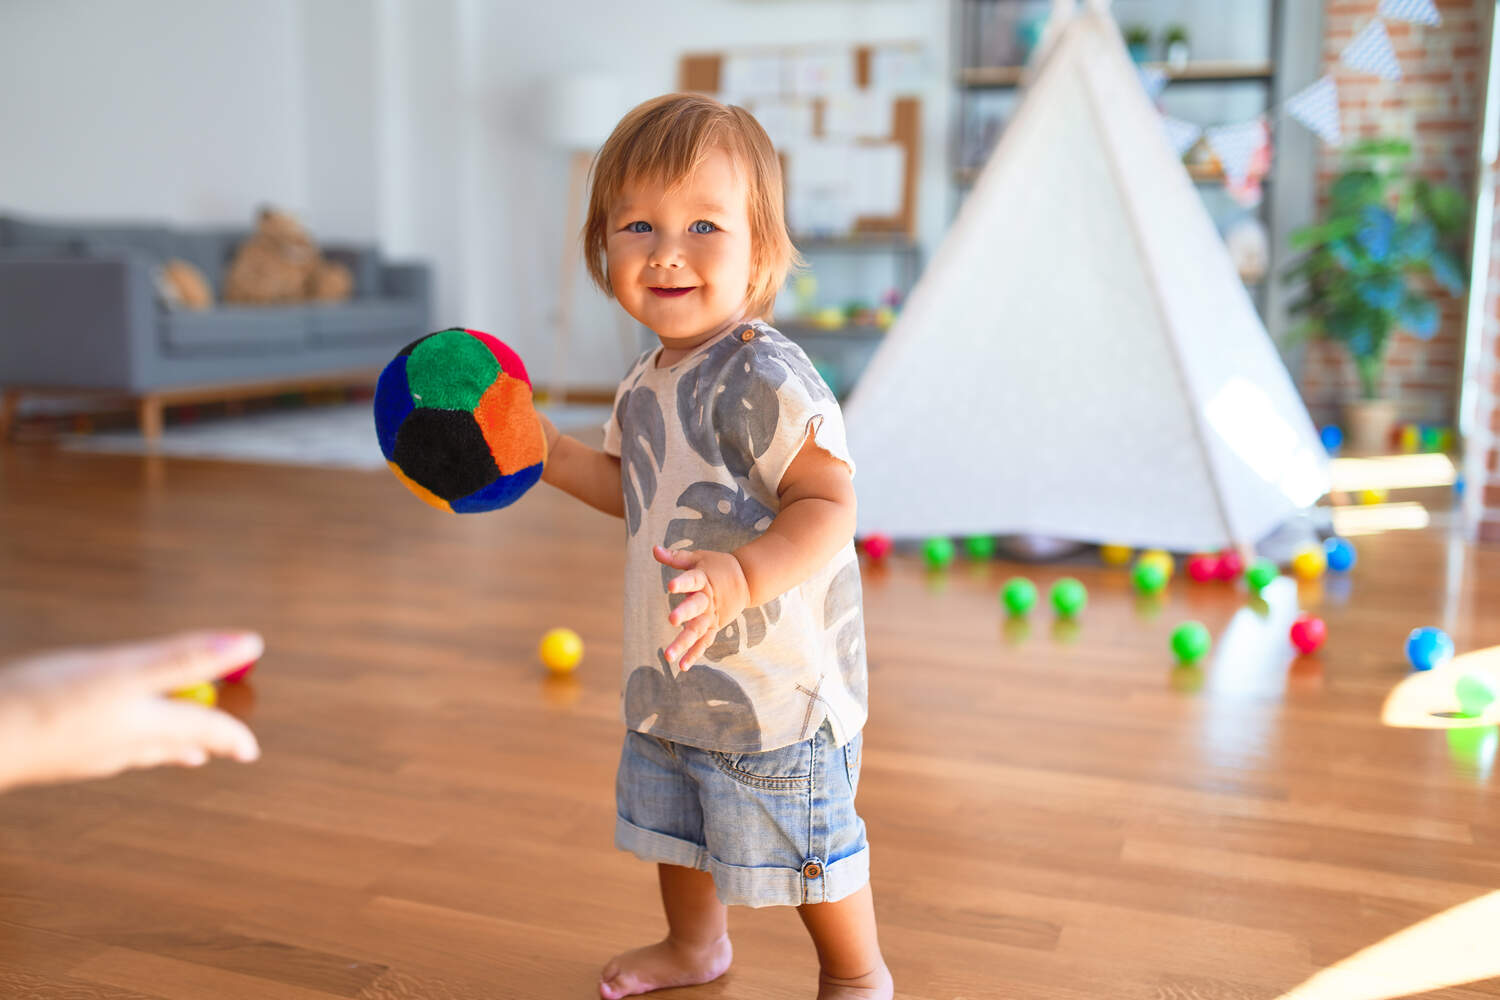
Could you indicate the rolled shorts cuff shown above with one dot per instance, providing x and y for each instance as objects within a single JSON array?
[
  {"x": 736, "y": 886},
  {"x": 648, "y": 845}
]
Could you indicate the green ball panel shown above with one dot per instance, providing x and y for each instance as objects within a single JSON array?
[{"x": 450, "y": 371}]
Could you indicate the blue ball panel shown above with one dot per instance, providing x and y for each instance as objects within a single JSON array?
[
  {"x": 392, "y": 405},
  {"x": 503, "y": 492}
]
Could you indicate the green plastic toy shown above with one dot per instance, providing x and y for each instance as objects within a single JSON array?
[
  {"x": 1069, "y": 597},
  {"x": 1019, "y": 595},
  {"x": 1190, "y": 641}
]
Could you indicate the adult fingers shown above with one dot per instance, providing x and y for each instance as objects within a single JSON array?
[
  {"x": 177, "y": 661},
  {"x": 692, "y": 606}
]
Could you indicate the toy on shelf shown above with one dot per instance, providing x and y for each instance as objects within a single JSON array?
[
  {"x": 1018, "y": 595},
  {"x": 1308, "y": 633},
  {"x": 560, "y": 650},
  {"x": 1428, "y": 647},
  {"x": 1069, "y": 597},
  {"x": 455, "y": 421},
  {"x": 1372, "y": 496},
  {"x": 1191, "y": 642}
]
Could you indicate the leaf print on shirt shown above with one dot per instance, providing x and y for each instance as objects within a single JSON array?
[
  {"x": 728, "y": 404},
  {"x": 700, "y": 701},
  {"x": 643, "y": 449},
  {"x": 727, "y": 518},
  {"x": 844, "y": 609}
]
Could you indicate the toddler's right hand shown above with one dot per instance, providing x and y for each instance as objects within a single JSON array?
[{"x": 97, "y": 711}]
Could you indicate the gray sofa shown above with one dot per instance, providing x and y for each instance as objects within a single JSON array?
[{"x": 80, "y": 311}]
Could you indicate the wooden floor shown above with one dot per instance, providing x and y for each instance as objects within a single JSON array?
[{"x": 1053, "y": 813}]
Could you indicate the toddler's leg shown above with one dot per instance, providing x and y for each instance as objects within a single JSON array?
[
  {"x": 849, "y": 961},
  {"x": 696, "y": 949}
]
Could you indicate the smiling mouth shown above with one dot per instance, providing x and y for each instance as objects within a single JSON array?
[{"x": 671, "y": 293}]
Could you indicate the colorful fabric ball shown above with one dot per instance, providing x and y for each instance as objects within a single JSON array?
[{"x": 455, "y": 422}]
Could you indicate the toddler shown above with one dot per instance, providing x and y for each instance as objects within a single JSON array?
[{"x": 744, "y": 683}]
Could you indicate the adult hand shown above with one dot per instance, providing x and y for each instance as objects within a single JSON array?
[
  {"x": 717, "y": 594},
  {"x": 96, "y": 711}
]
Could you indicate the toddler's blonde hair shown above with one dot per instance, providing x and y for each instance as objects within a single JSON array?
[{"x": 664, "y": 139}]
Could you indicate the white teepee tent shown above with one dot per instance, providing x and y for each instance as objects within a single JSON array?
[{"x": 1081, "y": 359}]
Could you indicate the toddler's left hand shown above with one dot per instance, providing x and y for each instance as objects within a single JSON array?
[{"x": 717, "y": 595}]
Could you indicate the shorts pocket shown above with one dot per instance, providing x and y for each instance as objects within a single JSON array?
[
  {"x": 785, "y": 767},
  {"x": 853, "y": 758}
]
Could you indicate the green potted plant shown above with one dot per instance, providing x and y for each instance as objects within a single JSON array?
[
  {"x": 1363, "y": 273},
  {"x": 1138, "y": 41},
  {"x": 1175, "y": 47}
]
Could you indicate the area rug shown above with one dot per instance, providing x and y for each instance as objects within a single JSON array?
[{"x": 341, "y": 436}]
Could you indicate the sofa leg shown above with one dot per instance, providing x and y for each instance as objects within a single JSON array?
[
  {"x": 10, "y": 405},
  {"x": 149, "y": 411}
]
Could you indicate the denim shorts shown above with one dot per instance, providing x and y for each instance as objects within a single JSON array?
[{"x": 773, "y": 829}]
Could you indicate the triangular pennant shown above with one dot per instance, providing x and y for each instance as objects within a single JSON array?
[
  {"x": 1317, "y": 107},
  {"x": 1180, "y": 134},
  {"x": 1153, "y": 78},
  {"x": 1415, "y": 11},
  {"x": 1236, "y": 146},
  {"x": 1371, "y": 52}
]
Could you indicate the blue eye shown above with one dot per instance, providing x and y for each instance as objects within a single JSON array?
[
  {"x": 638, "y": 226},
  {"x": 702, "y": 232}
]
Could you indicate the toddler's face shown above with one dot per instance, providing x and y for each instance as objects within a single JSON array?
[{"x": 679, "y": 260}]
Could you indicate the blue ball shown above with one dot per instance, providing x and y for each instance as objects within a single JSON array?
[
  {"x": 1333, "y": 438},
  {"x": 1340, "y": 554},
  {"x": 1428, "y": 647}
]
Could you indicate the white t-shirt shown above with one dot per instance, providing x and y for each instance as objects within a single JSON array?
[{"x": 703, "y": 445}]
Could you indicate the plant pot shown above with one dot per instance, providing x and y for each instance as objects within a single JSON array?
[
  {"x": 1178, "y": 54},
  {"x": 1369, "y": 423}
]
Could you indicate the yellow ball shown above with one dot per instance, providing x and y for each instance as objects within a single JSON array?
[
  {"x": 560, "y": 650},
  {"x": 1372, "y": 496},
  {"x": 1162, "y": 559},
  {"x": 884, "y": 316},
  {"x": 204, "y": 694},
  {"x": 1310, "y": 563},
  {"x": 1115, "y": 555}
]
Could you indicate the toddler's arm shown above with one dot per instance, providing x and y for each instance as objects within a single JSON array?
[
  {"x": 815, "y": 522},
  {"x": 590, "y": 475}
]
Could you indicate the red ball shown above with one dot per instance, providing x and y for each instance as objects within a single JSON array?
[
  {"x": 877, "y": 547},
  {"x": 1231, "y": 565},
  {"x": 239, "y": 673},
  {"x": 1202, "y": 568},
  {"x": 1308, "y": 633}
]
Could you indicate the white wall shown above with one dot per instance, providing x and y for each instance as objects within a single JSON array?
[{"x": 414, "y": 122}]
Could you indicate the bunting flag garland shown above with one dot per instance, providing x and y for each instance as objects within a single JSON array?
[
  {"x": 1317, "y": 107},
  {"x": 1180, "y": 134},
  {"x": 1153, "y": 78},
  {"x": 1236, "y": 146},
  {"x": 1415, "y": 11},
  {"x": 1371, "y": 52}
]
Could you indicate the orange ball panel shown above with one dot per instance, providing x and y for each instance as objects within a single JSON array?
[
  {"x": 510, "y": 425},
  {"x": 422, "y": 492}
]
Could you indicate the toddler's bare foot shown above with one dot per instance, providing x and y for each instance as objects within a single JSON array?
[
  {"x": 876, "y": 985},
  {"x": 666, "y": 963}
]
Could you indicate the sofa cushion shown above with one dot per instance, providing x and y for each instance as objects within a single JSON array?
[
  {"x": 209, "y": 250},
  {"x": 234, "y": 330},
  {"x": 363, "y": 262},
  {"x": 367, "y": 321}
]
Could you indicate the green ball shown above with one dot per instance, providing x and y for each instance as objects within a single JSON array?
[
  {"x": 1475, "y": 693},
  {"x": 1019, "y": 595},
  {"x": 1148, "y": 577},
  {"x": 1190, "y": 641},
  {"x": 1260, "y": 573},
  {"x": 1069, "y": 597},
  {"x": 938, "y": 552},
  {"x": 980, "y": 546}
]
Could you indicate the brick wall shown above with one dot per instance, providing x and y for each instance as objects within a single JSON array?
[{"x": 1436, "y": 106}]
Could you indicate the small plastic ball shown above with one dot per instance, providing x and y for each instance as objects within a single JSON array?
[
  {"x": 1428, "y": 647},
  {"x": 238, "y": 674},
  {"x": 1231, "y": 564},
  {"x": 1372, "y": 496},
  {"x": 1162, "y": 559},
  {"x": 1476, "y": 693},
  {"x": 1115, "y": 555},
  {"x": 980, "y": 546},
  {"x": 877, "y": 547},
  {"x": 1148, "y": 577},
  {"x": 1260, "y": 573},
  {"x": 938, "y": 552},
  {"x": 1202, "y": 568},
  {"x": 1340, "y": 554},
  {"x": 1308, "y": 633},
  {"x": 561, "y": 649},
  {"x": 1309, "y": 563},
  {"x": 204, "y": 694},
  {"x": 1019, "y": 595},
  {"x": 1069, "y": 597},
  {"x": 1190, "y": 641},
  {"x": 1333, "y": 438}
]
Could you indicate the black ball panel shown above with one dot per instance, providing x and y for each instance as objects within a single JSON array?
[{"x": 445, "y": 452}]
